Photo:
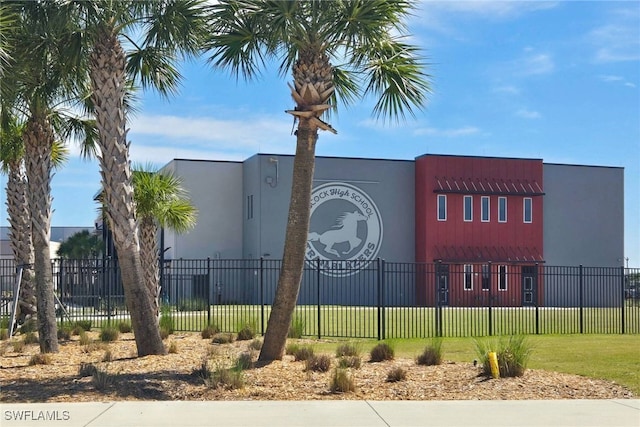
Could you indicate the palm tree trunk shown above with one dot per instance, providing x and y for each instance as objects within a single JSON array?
[
  {"x": 149, "y": 259},
  {"x": 107, "y": 71},
  {"x": 38, "y": 139},
  {"x": 294, "y": 245},
  {"x": 20, "y": 238}
]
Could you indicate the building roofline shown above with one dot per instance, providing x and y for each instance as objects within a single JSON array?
[
  {"x": 204, "y": 161},
  {"x": 339, "y": 157},
  {"x": 584, "y": 166},
  {"x": 478, "y": 157}
]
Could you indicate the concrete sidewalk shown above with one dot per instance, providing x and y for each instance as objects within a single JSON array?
[{"x": 494, "y": 413}]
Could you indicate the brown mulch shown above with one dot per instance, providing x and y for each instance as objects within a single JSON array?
[{"x": 170, "y": 377}]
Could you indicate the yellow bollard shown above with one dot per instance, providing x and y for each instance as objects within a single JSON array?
[{"x": 493, "y": 362}]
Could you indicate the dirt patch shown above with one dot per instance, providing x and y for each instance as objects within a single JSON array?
[{"x": 170, "y": 377}]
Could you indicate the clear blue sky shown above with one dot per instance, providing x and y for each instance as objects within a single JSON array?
[{"x": 553, "y": 80}]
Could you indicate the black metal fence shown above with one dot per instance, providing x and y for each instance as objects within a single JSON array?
[{"x": 374, "y": 299}]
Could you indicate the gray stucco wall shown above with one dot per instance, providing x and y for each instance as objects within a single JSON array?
[
  {"x": 215, "y": 188},
  {"x": 583, "y": 215}
]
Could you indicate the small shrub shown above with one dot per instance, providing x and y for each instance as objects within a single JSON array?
[
  {"x": 102, "y": 379},
  {"x": 396, "y": 374},
  {"x": 124, "y": 327},
  {"x": 432, "y": 354},
  {"x": 108, "y": 356},
  {"x": 318, "y": 363},
  {"x": 246, "y": 333},
  {"x": 381, "y": 352},
  {"x": 513, "y": 355},
  {"x": 342, "y": 381},
  {"x": 303, "y": 353},
  {"x": 165, "y": 332},
  {"x": 86, "y": 369},
  {"x": 173, "y": 348},
  {"x": 166, "y": 319},
  {"x": 30, "y": 338},
  {"x": 40, "y": 359},
  {"x": 230, "y": 379},
  {"x": 4, "y": 322},
  {"x": 347, "y": 349},
  {"x": 84, "y": 338},
  {"x": 64, "y": 333},
  {"x": 203, "y": 371},
  {"x": 223, "y": 338},
  {"x": 256, "y": 344},
  {"x": 109, "y": 334},
  {"x": 244, "y": 361},
  {"x": 297, "y": 327},
  {"x": 18, "y": 346},
  {"x": 95, "y": 346},
  {"x": 85, "y": 325},
  {"x": 292, "y": 349},
  {"x": 30, "y": 325},
  {"x": 209, "y": 331},
  {"x": 4, "y": 334},
  {"x": 354, "y": 362}
]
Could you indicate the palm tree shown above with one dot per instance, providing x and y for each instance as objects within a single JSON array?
[
  {"x": 157, "y": 32},
  {"x": 160, "y": 201},
  {"x": 305, "y": 36},
  {"x": 38, "y": 78},
  {"x": 12, "y": 164}
]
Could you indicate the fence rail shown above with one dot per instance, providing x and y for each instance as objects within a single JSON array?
[{"x": 377, "y": 299}]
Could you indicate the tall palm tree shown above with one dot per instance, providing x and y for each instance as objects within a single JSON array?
[
  {"x": 156, "y": 33},
  {"x": 160, "y": 201},
  {"x": 39, "y": 77},
  {"x": 364, "y": 37},
  {"x": 12, "y": 164}
]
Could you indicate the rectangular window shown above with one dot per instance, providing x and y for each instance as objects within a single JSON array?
[
  {"x": 484, "y": 214},
  {"x": 502, "y": 209},
  {"x": 527, "y": 214},
  {"x": 468, "y": 277},
  {"x": 486, "y": 277},
  {"x": 442, "y": 207},
  {"x": 502, "y": 277},
  {"x": 250, "y": 207},
  {"x": 468, "y": 208}
]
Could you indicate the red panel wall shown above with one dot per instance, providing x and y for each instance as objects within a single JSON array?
[{"x": 475, "y": 241}]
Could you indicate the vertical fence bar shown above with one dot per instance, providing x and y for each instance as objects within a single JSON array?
[
  {"x": 319, "y": 319},
  {"x": 622, "y": 305},
  {"x": 490, "y": 300},
  {"x": 581, "y": 284},
  {"x": 210, "y": 274},
  {"x": 545, "y": 281},
  {"x": 261, "y": 286},
  {"x": 382, "y": 286},
  {"x": 379, "y": 301}
]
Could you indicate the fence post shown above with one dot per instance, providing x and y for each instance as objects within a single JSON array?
[
  {"x": 581, "y": 282},
  {"x": 319, "y": 303},
  {"x": 438, "y": 305},
  {"x": 379, "y": 299},
  {"x": 622, "y": 319},
  {"x": 261, "y": 285},
  {"x": 490, "y": 301},
  {"x": 209, "y": 276},
  {"x": 538, "y": 294},
  {"x": 381, "y": 273}
]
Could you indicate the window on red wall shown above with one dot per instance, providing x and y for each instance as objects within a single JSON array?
[
  {"x": 442, "y": 207},
  {"x": 502, "y": 277},
  {"x": 484, "y": 214},
  {"x": 486, "y": 277},
  {"x": 502, "y": 209},
  {"x": 468, "y": 277},
  {"x": 527, "y": 210},
  {"x": 468, "y": 208}
]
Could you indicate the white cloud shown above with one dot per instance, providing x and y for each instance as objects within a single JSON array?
[
  {"x": 492, "y": 10},
  {"x": 618, "y": 39},
  {"x": 527, "y": 114},
  {"x": 617, "y": 79},
  {"x": 448, "y": 133},
  {"x": 508, "y": 89},
  {"x": 535, "y": 64}
]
